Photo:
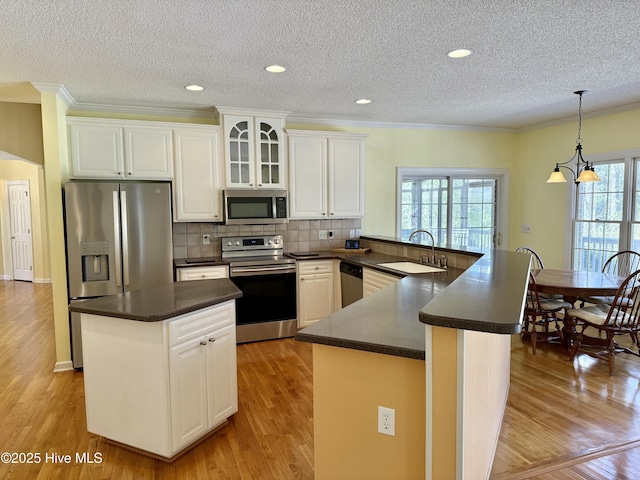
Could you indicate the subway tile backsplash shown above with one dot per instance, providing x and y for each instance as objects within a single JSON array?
[{"x": 299, "y": 235}]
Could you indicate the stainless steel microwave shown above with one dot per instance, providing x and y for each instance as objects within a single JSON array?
[{"x": 255, "y": 207}]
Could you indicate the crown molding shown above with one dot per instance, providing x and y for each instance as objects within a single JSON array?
[
  {"x": 573, "y": 118},
  {"x": 251, "y": 111},
  {"x": 147, "y": 111},
  {"x": 56, "y": 88},
  {"x": 406, "y": 126}
]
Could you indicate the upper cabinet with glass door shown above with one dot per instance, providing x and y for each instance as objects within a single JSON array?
[{"x": 254, "y": 149}]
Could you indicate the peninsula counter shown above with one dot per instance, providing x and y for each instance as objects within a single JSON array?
[{"x": 434, "y": 347}]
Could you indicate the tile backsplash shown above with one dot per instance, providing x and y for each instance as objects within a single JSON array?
[{"x": 298, "y": 235}]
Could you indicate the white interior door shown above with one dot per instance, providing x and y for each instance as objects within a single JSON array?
[{"x": 20, "y": 220}]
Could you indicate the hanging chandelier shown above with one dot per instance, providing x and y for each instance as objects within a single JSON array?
[{"x": 584, "y": 171}]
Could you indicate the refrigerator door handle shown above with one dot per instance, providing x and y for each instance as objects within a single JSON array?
[
  {"x": 116, "y": 229},
  {"x": 125, "y": 237}
]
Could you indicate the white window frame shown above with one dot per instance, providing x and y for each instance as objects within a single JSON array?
[
  {"x": 627, "y": 156},
  {"x": 502, "y": 193}
]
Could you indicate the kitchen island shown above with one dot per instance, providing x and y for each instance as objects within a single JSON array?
[
  {"x": 435, "y": 348},
  {"x": 160, "y": 364}
]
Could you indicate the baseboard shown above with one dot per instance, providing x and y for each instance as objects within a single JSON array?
[
  {"x": 65, "y": 366},
  {"x": 6, "y": 277},
  {"x": 42, "y": 280}
]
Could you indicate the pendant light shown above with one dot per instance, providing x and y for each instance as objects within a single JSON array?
[{"x": 584, "y": 171}]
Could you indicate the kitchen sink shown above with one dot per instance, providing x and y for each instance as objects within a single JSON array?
[{"x": 410, "y": 267}]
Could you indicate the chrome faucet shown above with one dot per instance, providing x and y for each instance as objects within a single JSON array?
[{"x": 433, "y": 242}]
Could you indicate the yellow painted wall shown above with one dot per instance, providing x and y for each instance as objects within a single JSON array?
[
  {"x": 19, "y": 170},
  {"x": 348, "y": 387},
  {"x": 21, "y": 131},
  {"x": 543, "y": 205},
  {"x": 56, "y": 158},
  {"x": 389, "y": 148}
]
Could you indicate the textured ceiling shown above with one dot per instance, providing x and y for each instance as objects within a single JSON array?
[{"x": 528, "y": 56}]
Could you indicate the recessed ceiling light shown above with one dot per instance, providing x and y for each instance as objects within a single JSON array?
[
  {"x": 194, "y": 88},
  {"x": 363, "y": 101},
  {"x": 275, "y": 69},
  {"x": 460, "y": 53}
]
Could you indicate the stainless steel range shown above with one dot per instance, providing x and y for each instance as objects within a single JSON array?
[{"x": 258, "y": 267}]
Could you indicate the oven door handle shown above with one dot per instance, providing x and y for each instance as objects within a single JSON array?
[{"x": 261, "y": 270}]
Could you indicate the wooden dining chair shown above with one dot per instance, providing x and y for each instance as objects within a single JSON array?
[
  {"x": 536, "y": 261},
  {"x": 621, "y": 264},
  {"x": 536, "y": 264},
  {"x": 541, "y": 312},
  {"x": 620, "y": 317}
]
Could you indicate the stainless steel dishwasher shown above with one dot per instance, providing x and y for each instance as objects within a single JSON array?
[{"x": 351, "y": 283}]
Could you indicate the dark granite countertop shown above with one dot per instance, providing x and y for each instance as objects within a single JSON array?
[
  {"x": 487, "y": 297},
  {"x": 385, "y": 322},
  {"x": 199, "y": 262},
  {"x": 161, "y": 303}
]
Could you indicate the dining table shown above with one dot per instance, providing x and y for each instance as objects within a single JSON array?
[{"x": 574, "y": 285}]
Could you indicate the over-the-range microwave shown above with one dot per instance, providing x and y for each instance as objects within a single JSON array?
[{"x": 255, "y": 207}]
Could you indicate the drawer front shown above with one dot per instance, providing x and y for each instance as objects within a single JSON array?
[
  {"x": 192, "y": 325},
  {"x": 315, "y": 266},
  {"x": 202, "y": 273}
]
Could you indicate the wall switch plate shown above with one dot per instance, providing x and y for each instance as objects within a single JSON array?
[
  {"x": 525, "y": 228},
  {"x": 206, "y": 239},
  {"x": 387, "y": 421},
  {"x": 352, "y": 233},
  {"x": 358, "y": 232},
  {"x": 322, "y": 234}
]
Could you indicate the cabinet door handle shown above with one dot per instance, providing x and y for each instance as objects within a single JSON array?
[
  {"x": 203, "y": 343},
  {"x": 212, "y": 339}
]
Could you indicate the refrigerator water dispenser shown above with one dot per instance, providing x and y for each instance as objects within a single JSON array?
[{"x": 95, "y": 261}]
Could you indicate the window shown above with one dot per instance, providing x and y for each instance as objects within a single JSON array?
[
  {"x": 459, "y": 207},
  {"x": 606, "y": 214}
]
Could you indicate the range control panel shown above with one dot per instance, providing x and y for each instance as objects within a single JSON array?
[{"x": 263, "y": 244}]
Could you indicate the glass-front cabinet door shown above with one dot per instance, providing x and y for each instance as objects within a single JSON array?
[
  {"x": 240, "y": 154},
  {"x": 253, "y": 149},
  {"x": 269, "y": 153}
]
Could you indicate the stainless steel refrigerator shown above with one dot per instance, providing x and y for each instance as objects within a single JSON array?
[{"x": 118, "y": 239}]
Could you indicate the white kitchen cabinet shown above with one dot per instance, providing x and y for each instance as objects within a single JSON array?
[
  {"x": 201, "y": 273},
  {"x": 198, "y": 183},
  {"x": 254, "y": 149},
  {"x": 160, "y": 386},
  {"x": 120, "y": 149},
  {"x": 373, "y": 280},
  {"x": 316, "y": 294},
  {"x": 326, "y": 175},
  {"x": 148, "y": 152},
  {"x": 203, "y": 384}
]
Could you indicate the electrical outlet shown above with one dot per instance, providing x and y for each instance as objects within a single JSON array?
[
  {"x": 525, "y": 228},
  {"x": 206, "y": 239},
  {"x": 330, "y": 233},
  {"x": 358, "y": 232},
  {"x": 352, "y": 233},
  {"x": 322, "y": 234},
  {"x": 387, "y": 421}
]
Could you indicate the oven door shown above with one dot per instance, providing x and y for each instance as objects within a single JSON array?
[{"x": 267, "y": 296}]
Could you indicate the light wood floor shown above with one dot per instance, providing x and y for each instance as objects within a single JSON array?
[{"x": 563, "y": 421}]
